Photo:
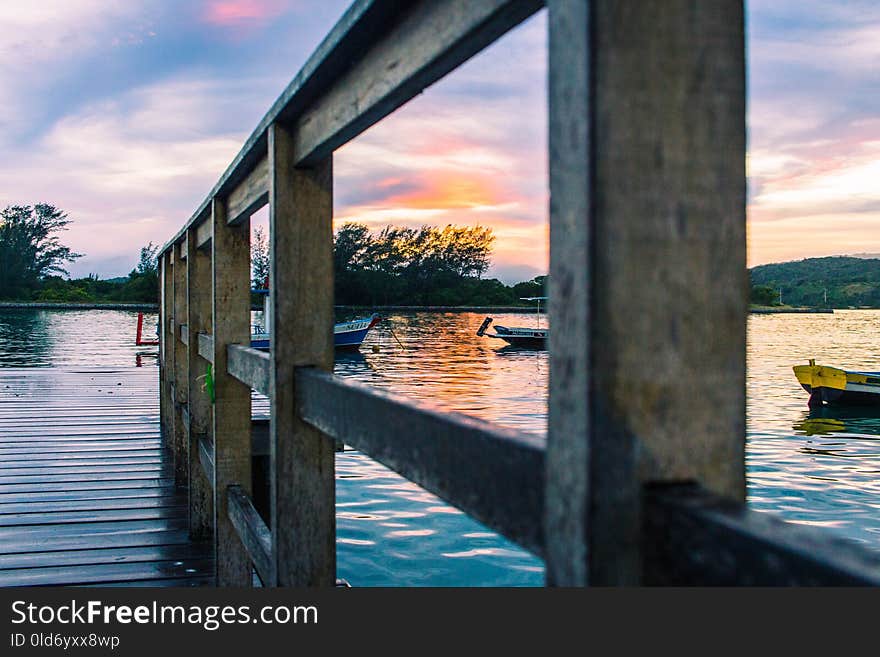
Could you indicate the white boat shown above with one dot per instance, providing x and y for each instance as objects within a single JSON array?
[
  {"x": 519, "y": 336},
  {"x": 346, "y": 335}
]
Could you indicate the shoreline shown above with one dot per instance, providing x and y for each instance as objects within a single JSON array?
[
  {"x": 64, "y": 305},
  {"x": 154, "y": 307},
  {"x": 771, "y": 311},
  {"x": 446, "y": 309}
]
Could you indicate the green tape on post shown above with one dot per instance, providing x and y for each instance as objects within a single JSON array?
[{"x": 209, "y": 381}]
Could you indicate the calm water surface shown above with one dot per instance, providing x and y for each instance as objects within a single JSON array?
[{"x": 818, "y": 469}]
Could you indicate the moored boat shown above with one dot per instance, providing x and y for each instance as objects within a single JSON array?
[
  {"x": 519, "y": 336},
  {"x": 833, "y": 385},
  {"x": 346, "y": 335}
]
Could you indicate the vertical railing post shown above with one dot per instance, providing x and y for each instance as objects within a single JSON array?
[
  {"x": 301, "y": 288},
  {"x": 181, "y": 366},
  {"x": 648, "y": 282},
  {"x": 167, "y": 341},
  {"x": 230, "y": 264},
  {"x": 201, "y": 501}
]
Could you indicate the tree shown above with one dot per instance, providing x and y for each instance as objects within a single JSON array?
[
  {"x": 30, "y": 248},
  {"x": 411, "y": 265},
  {"x": 148, "y": 263},
  {"x": 259, "y": 258},
  {"x": 764, "y": 295}
]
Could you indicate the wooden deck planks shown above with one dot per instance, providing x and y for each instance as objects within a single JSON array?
[{"x": 87, "y": 493}]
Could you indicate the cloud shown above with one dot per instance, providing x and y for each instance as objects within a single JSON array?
[
  {"x": 242, "y": 13},
  {"x": 42, "y": 42},
  {"x": 814, "y": 139},
  {"x": 128, "y": 171}
]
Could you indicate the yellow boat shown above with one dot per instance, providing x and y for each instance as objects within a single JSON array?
[{"x": 832, "y": 385}]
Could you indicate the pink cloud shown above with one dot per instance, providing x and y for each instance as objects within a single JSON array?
[{"x": 233, "y": 13}]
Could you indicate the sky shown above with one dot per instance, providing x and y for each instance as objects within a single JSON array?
[{"x": 124, "y": 113}]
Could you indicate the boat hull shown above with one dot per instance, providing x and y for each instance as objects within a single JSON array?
[
  {"x": 521, "y": 337},
  {"x": 523, "y": 341},
  {"x": 346, "y": 335},
  {"x": 835, "y": 386}
]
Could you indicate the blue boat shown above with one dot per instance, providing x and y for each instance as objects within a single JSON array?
[{"x": 346, "y": 335}]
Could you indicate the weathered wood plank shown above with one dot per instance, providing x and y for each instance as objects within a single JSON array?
[
  {"x": 693, "y": 537},
  {"x": 96, "y": 515},
  {"x": 29, "y": 507},
  {"x": 206, "y": 347},
  {"x": 178, "y": 552},
  {"x": 166, "y": 369},
  {"x": 181, "y": 370},
  {"x": 433, "y": 38},
  {"x": 199, "y": 317},
  {"x": 100, "y": 574},
  {"x": 251, "y": 194},
  {"x": 230, "y": 261},
  {"x": 252, "y": 531},
  {"x": 97, "y": 541},
  {"x": 119, "y": 491},
  {"x": 206, "y": 458},
  {"x": 303, "y": 493},
  {"x": 494, "y": 475},
  {"x": 86, "y": 529},
  {"x": 182, "y": 247},
  {"x": 204, "y": 234},
  {"x": 647, "y": 157},
  {"x": 105, "y": 483},
  {"x": 250, "y": 366},
  {"x": 7, "y": 474},
  {"x": 184, "y": 335}
]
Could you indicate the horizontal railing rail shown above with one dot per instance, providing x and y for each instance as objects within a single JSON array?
[
  {"x": 692, "y": 536},
  {"x": 252, "y": 530},
  {"x": 493, "y": 474},
  {"x": 250, "y": 366}
]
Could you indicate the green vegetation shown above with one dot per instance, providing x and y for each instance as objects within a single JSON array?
[
  {"x": 32, "y": 263},
  {"x": 424, "y": 266},
  {"x": 29, "y": 248},
  {"x": 833, "y": 282},
  {"x": 394, "y": 266}
]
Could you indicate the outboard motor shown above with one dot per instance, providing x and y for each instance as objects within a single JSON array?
[{"x": 484, "y": 326}]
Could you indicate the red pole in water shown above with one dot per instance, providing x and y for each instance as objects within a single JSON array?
[
  {"x": 140, "y": 329},
  {"x": 139, "y": 341}
]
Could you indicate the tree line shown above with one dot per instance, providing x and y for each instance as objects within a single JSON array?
[
  {"x": 833, "y": 282},
  {"x": 427, "y": 266},
  {"x": 393, "y": 266},
  {"x": 33, "y": 260}
]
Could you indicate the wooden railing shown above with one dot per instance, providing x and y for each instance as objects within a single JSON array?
[{"x": 642, "y": 477}]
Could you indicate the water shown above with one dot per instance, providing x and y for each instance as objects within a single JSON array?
[
  {"x": 816, "y": 468},
  {"x": 819, "y": 469}
]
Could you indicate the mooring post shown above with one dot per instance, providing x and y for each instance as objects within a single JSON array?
[
  {"x": 648, "y": 282},
  {"x": 230, "y": 264},
  {"x": 166, "y": 327},
  {"x": 181, "y": 367},
  {"x": 201, "y": 501},
  {"x": 303, "y": 487}
]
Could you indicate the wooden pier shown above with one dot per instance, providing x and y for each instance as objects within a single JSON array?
[
  {"x": 87, "y": 492},
  {"x": 642, "y": 476}
]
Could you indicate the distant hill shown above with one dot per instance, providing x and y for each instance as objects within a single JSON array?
[{"x": 849, "y": 281}]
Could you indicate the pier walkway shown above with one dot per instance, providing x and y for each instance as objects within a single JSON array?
[{"x": 87, "y": 492}]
